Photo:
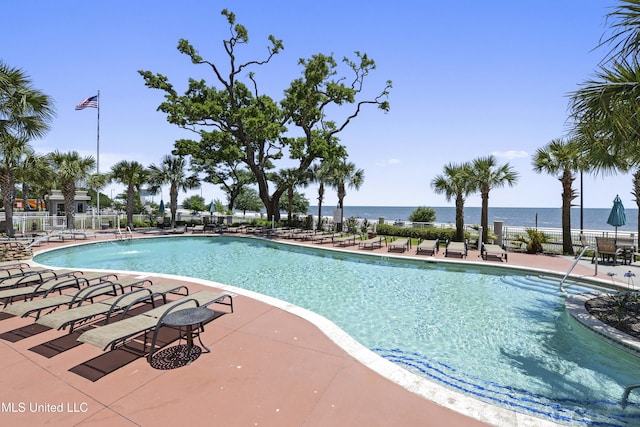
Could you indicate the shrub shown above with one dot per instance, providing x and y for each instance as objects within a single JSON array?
[
  {"x": 423, "y": 214},
  {"x": 422, "y": 233}
]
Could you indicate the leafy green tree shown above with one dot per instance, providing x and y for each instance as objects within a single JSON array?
[
  {"x": 71, "y": 171},
  {"x": 486, "y": 175},
  {"x": 423, "y": 214},
  {"x": 218, "y": 206},
  {"x": 25, "y": 114},
  {"x": 194, "y": 203},
  {"x": 97, "y": 182},
  {"x": 172, "y": 171},
  {"x": 455, "y": 183},
  {"x": 563, "y": 158},
  {"x": 235, "y": 122},
  {"x": 298, "y": 205},
  {"x": 248, "y": 200},
  {"x": 132, "y": 175},
  {"x": 231, "y": 176}
]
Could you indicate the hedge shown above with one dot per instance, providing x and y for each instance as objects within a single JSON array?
[{"x": 423, "y": 233}]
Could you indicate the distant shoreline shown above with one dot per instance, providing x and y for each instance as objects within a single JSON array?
[{"x": 593, "y": 218}]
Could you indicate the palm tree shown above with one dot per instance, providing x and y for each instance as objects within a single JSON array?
[
  {"x": 455, "y": 183},
  {"x": 25, "y": 114},
  {"x": 172, "y": 171},
  {"x": 486, "y": 175},
  {"x": 71, "y": 170},
  {"x": 132, "y": 175},
  {"x": 606, "y": 108},
  {"x": 319, "y": 175},
  {"x": 563, "y": 158},
  {"x": 289, "y": 179},
  {"x": 35, "y": 174},
  {"x": 340, "y": 175}
]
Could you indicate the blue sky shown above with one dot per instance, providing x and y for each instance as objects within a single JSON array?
[{"x": 469, "y": 79}]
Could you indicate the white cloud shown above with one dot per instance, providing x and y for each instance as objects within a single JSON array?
[
  {"x": 388, "y": 162},
  {"x": 511, "y": 154}
]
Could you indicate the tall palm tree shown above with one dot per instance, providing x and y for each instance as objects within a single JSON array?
[
  {"x": 605, "y": 109},
  {"x": 35, "y": 174},
  {"x": 172, "y": 171},
  {"x": 319, "y": 172},
  {"x": 486, "y": 174},
  {"x": 564, "y": 158},
  {"x": 342, "y": 175},
  {"x": 132, "y": 175},
  {"x": 290, "y": 178},
  {"x": 455, "y": 183},
  {"x": 25, "y": 114},
  {"x": 71, "y": 171}
]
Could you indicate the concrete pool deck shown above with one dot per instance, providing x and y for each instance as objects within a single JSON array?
[{"x": 271, "y": 365}]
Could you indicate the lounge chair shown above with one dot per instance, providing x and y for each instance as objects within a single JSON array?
[
  {"x": 57, "y": 284},
  {"x": 344, "y": 240},
  {"x": 401, "y": 244},
  {"x": 430, "y": 247},
  {"x": 113, "y": 334},
  {"x": 70, "y": 299},
  {"x": 197, "y": 229},
  {"x": 112, "y": 306},
  {"x": 36, "y": 276},
  {"x": 456, "y": 249},
  {"x": 491, "y": 250},
  {"x": 13, "y": 269},
  {"x": 320, "y": 238},
  {"x": 371, "y": 243}
]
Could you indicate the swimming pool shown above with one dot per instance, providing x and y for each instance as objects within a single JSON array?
[{"x": 499, "y": 335}]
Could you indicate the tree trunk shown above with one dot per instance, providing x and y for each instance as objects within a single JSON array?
[
  {"x": 173, "y": 197},
  {"x": 69, "y": 194},
  {"x": 484, "y": 216},
  {"x": 320, "y": 198},
  {"x": 7, "y": 185},
  {"x": 130, "y": 202},
  {"x": 290, "y": 206},
  {"x": 567, "y": 196},
  {"x": 459, "y": 218}
]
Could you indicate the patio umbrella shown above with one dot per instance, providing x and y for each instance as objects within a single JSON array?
[
  {"x": 161, "y": 207},
  {"x": 617, "y": 217},
  {"x": 212, "y": 208}
]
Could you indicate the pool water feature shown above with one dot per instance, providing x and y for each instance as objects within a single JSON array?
[{"x": 499, "y": 335}]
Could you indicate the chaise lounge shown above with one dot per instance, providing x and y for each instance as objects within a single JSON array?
[
  {"x": 456, "y": 249},
  {"x": 491, "y": 250},
  {"x": 112, "y": 306},
  {"x": 401, "y": 244},
  {"x": 113, "y": 334},
  {"x": 430, "y": 247},
  {"x": 372, "y": 243}
]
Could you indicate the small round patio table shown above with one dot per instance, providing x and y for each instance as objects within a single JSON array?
[{"x": 188, "y": 318}]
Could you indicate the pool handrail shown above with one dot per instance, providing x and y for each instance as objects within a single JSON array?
[{"x": 578, "y": 258}]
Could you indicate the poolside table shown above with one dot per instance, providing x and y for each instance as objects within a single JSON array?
[{"x": 188, "y": 318}]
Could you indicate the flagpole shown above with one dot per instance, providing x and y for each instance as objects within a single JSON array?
[{"x": 98, "y": 162}]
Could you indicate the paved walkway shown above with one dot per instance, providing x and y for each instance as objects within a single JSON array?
[{"x": 269, "y": 366}]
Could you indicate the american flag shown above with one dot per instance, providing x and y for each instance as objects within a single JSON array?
[{"x": 91, "y": 102}]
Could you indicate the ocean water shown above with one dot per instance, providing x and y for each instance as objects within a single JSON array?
[{"x": 593, "y": 218}]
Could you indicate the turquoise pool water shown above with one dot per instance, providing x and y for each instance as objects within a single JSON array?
[{"x": 499, "y": 335}]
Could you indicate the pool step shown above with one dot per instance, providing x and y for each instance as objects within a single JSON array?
[{"x": 570, "y": 411}]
